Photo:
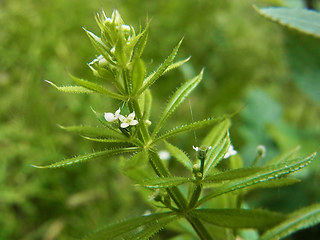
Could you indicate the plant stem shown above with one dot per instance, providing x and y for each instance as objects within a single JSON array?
[
  {"x": 162, "y": 171},
  {"x": 195, "y": 195},
  {"x": 199, "y": 228}
]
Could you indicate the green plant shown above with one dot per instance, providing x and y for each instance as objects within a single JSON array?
[{"x": 210, "y": 190}]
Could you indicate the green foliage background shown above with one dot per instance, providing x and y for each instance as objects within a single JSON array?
[{"x": 249, "y": 62}]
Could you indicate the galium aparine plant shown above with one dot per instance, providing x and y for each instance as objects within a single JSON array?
[{"x": 209, "y": 197}]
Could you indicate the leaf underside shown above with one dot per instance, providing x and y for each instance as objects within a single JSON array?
[
  {"x": 239, "y": 218},
  {"x": 303, "y": 20},
  {"x": 303, "y": 218},
  {"x": 145, "y": 226},
  {"x": 268, "y": 173}
]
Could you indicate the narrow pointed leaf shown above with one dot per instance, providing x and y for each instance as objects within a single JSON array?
[
  {"x": 239, "y": 218},
  {"x": 188, "y": 128},
  {"x": 89, "y": 156},
  {"x": 138, "y": 73},
  {"x": 178, "y": 97},
  {"x": 140, "y": 45},
  {"x": 163, "y": 182},
  {"x": 217, "y": 133},
  {"x": 147, "y": 104},
  {"x": 153, "y": 228},
  {"x": 301, "y": 219},
  {"x": 123, "y": 228},
  {"x": 267, "y": 174},
  {"x": 303, "y": 20},
  {"x": 138, "y": 42},
  {"x": 160, "y": 71},
  {"x": 179, "y": 155},
  {"x": 99, "y": 46},
  {"x": 177, "y": 64},
  {"x": 286, "y": 156},
  {"x": 274, "y": 183},
  {"x": 97, "y": 88},
  {"x": 232, "y": 174},
  {"x": 106, "y": 140},
  {"x": 89, "y": 131},
  {"x": 215, "y": 154},
  {"x": 71, "y": 89}
]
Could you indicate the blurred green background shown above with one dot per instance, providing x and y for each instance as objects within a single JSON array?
[{"x": 251, "y": 63}]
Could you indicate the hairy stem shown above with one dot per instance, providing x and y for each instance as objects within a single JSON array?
[{"x": 199, "y": 228}]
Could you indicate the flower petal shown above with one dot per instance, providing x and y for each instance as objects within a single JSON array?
[
  {"x": 110, "y": 117},
  {"x": 131, "y": 116},
  {"x": 122, "y": 118},
  {"x": 117, "y": 113},
  {"x": 124, "y": 125},
  {"x": 230, "y": 152},
  {"x": 133, "y": 122}
]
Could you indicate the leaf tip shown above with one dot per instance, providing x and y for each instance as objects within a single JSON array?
[{"x": 36, "y": 166}]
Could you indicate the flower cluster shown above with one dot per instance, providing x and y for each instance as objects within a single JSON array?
[
  {"x": 230, "y": 152},
  {"x": 125, "y": 121}
]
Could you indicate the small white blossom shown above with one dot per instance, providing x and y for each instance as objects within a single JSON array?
[
  {"x": 261, "y": 151},
  {"x": 112, "y": 50},
  {"x": 127, "y": 121},
  {"x": 110, "y": 117},
  {"x": 126, "y": 27},
  {"x": 230, "y": 152},
  {"x": 195, "y": 148},
  {"x": 164, "y": 155},
  {"x": 102, "y": 61},
  {"x": 147, "y": 122}
]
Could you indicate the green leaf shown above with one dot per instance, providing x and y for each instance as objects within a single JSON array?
[
  {"x": 215, "y": 154},
  {"x": 71, "y": 89},
  {"x": 176, "y": 65},
  {"x": 97, "y": 88},
  {"x": 138, "y": 73},
  {"x": 147, "y": 104},
  {"x": 137, "y": 167},
  {"x": 179, "y": 155},
  {"x": 178, "y": 97},
  {"x": 275, "y": 183},
  {"x": 163, "y": 182},
  {"x": 303, "y": 218},
  {"x": 106, "y": 140},
  {"x": 232, "y": 174},
  {"x": 89, "y": 131},
  {"x": 217, "y": 133},
  {"x": 99, "y": 46},
  {"x": 188, "y": 128},
  {"x": 303, "y": 20},
  {"x": 89, "y": 156},
  {"x": 160, "y": 71},
  {"x": 286, "y": 156},
  {"x": 239, "y": 218},
  {"x": 152, "y": 228},
  {"x": 138, "y": 42},
  {"x": 140, "y": 45},
  {"x": 129, "y": 227},
  {"x": 268, "y": 173}
]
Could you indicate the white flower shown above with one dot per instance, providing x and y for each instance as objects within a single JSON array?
[
  {"x": 127, "y": 121},
  {"x": 230, "y": 152},
  {"x": 102, "y": 61},
  {"x": 110, "y": 117},
  {"x": 164, "y": 155},
  {"x": 195, "y": 148}
]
